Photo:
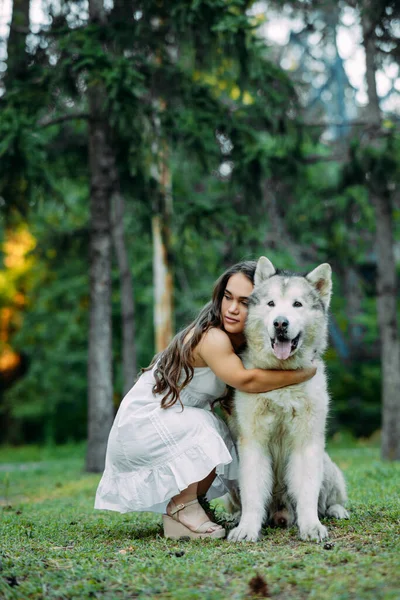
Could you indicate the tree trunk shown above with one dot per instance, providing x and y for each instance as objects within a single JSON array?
[
  {"x": 102, "y": 185},
  {"x": 16, "y": 47},
  {"x": 122, "y": 14},
  {"x": 129, "y": 365},
  {"x": 162, "y": 274},
  {"x": 96, "y": 11},
  {"x": 163, "y": 286},
  {"x": 387, "y": 294},
  {"x": 368, "y": 29},
  {"x": 388, "y": 325}
]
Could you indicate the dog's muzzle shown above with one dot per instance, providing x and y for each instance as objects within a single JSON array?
[{"x": 283, "y": 346}]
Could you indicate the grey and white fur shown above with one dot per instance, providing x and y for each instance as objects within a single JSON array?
[{"x": 285, "y": 474}]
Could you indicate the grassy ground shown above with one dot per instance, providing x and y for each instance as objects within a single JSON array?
[{"x": 54, "y": 545}]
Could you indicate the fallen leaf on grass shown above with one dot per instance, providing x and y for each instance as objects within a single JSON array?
[
  {"x": 12, "y": 581},
  {"x": 258, "y": 587},
  {"x": 126, "y": 550}
]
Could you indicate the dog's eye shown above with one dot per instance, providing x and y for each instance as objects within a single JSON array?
[
  {"x": 297, "y": 304},
  {"x": 271, "y": 303}
]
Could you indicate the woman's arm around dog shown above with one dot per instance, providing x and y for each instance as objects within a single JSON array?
[{"x": 216, "y": 351}]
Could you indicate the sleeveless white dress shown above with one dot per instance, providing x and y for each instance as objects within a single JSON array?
[{"x": 155, "y": 453}]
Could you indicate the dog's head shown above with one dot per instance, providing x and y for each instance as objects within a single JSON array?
[{"x": 289, "y": 310}]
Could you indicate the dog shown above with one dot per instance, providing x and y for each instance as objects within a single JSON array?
[{"x": 284, "y": 472}]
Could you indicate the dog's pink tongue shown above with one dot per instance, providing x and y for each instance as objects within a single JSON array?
[{"x": 282, "y": 349}]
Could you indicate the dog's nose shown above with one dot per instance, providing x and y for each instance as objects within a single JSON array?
[{"x": 281, "y": 323}]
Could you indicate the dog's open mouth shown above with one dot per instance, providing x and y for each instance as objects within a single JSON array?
[{"x": 283, "y": 347}]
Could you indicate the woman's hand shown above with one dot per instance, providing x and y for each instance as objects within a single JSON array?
[
  {"x": 307, "y": 373},
  {"x": 294, "y": 377}
]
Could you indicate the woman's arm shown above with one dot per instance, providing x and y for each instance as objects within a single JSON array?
[{"x": 216, "y": 350}]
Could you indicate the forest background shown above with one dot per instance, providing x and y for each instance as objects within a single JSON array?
[{"x": 145, "y": 147}]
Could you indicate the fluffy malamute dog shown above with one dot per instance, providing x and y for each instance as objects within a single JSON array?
[{"x": 285, "y": 473}]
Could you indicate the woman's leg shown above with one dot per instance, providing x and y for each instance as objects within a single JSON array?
[
  {"x": 193, "y": 516},
  {"x": 190, "y": 493},
  {"x": 204, "y": 485}
]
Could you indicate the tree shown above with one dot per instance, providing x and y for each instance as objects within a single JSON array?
[
  {"x": 16, "y": 46},
  {"x": 129, "y": 354},
  {"x": 122, "y": 13},
  {"x": 161, "y": 228},
  {"x": 382, "y": 200},
  {"x": 102, "y": 186}
]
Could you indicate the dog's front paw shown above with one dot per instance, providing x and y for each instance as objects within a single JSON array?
[
  {"x": 338, "y": 511},
  {"x": 313, "y": 531},
  {"x": 241, "y": 533}
]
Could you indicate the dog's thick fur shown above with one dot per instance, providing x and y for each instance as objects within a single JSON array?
[{"x": 285, "y": 474}]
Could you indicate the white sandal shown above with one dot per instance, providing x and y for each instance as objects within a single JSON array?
[{"x": 174, "y": 529}]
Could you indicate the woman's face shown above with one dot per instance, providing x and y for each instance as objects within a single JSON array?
[{"x": 234, "y": 303}]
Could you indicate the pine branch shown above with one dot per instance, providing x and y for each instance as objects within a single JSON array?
[
  {"x": 60, "y": 31},
  {"x": 327, "y": 124},
  {"x": 314, "y": 158},
  {"x": 46, "y": 122}
]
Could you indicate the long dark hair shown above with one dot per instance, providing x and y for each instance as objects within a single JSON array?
[{"x": 177, "y": 358}]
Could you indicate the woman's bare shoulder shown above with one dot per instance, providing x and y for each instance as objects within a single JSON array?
[
  {"x": 213, "y": 341},
  {"x": 216, "y": 337}
]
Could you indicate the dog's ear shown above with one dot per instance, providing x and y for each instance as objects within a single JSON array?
[
  {"x": 321, "y": 280},
  {"x": 264, "y": 269}
]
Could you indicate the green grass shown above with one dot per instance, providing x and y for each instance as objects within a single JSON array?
[{"x": 54, "y": 545}]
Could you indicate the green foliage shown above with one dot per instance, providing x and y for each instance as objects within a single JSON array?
[
  {"x": 355, "y": 389},
  {"x": 375, "y": 163},
  {"x": 22, "y": 158},
  {"x": 50, "y": 403}
]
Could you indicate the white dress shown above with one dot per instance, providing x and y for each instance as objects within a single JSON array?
[{"x": 154, "y": 453}]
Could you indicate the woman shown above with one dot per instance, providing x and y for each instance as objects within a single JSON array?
[{"x": 166, "y": 447}]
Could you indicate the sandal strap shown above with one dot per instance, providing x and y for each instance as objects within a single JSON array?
[
  {"x": 201, "y": 528},
  {"x": 207, "y": 525},
  {"x": 181, "y": 506}
]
